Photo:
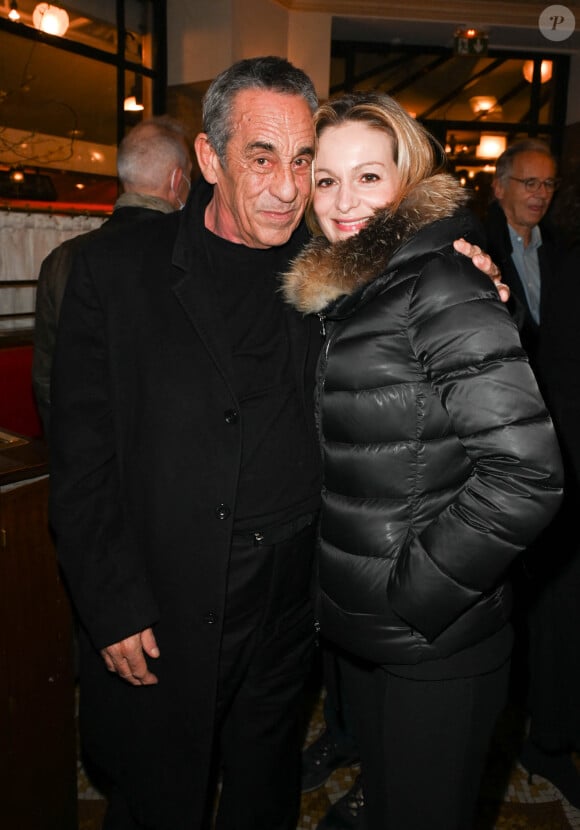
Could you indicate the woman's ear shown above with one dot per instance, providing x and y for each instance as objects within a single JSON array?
[{"x": 206, "y": 158}]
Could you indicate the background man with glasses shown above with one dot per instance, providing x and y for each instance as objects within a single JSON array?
[
  {"x": 531, "y": 258},
  {"x": 524, "y": 183}
]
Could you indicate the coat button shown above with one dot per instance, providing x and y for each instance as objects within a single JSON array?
[
  {"x": 231, "y": 416},
  {"x": 210, "y": 618},
  {"x": 222, "y": 511}
]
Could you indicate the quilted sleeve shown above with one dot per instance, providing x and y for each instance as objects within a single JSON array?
[{"x": 471, "y": 354}]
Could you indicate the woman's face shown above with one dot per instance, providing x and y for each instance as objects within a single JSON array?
[{"x": 354, "y": 174}]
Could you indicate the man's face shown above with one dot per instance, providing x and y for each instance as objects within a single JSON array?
[
  {"x": 261, "y": 193},
  {"x": 524, "y": 210}
]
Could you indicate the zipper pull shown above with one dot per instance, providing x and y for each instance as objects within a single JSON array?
[{"x": 322, "y": 326}]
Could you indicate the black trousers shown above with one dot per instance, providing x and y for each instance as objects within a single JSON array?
[
  {"x": 550, "y": 598},
  {"x": 423, "y": 745},
  {"x": 265, "y": 660},
  {"x": 337, "y": 710}
]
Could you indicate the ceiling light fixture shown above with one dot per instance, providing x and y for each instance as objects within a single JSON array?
[
  {"x": 14, "y": 14},
  {"x": 52, "y": 20},
  {"x": 482, "y": 103},
  {"x": 545, "y": 71}
]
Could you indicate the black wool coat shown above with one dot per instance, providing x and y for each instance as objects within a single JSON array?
[{"x": 145, "y": 458}]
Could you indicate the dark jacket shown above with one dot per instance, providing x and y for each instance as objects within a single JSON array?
[
  {"x": 145, "y": 459},
  {"x": 52, "y": 281},
  {"x": 440, "y": 461},
  {"x": 558, "y": 361},
  {"x": 498, "y": 245}
]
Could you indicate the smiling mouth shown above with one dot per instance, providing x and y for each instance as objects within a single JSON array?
[{"x": 351, "y": 224}]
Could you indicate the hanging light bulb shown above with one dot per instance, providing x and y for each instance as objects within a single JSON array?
[
  {"x": 50, "y": 19},
  {"x": 14, "y": 14}
]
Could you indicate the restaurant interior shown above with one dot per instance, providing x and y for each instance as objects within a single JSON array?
[{"x": 74, "y": 78}]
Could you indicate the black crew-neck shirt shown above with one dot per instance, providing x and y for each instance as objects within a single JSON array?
[{"x": 279, "y": 477}]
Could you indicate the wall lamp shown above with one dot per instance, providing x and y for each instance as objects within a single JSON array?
[
  {"x": 16, "y": 175},
  {"x": 134, "y": 101},
  {"x": 491, "y": 146},
  {"x": 545, "y": 71},
  {"x": 131, "y": 104}
]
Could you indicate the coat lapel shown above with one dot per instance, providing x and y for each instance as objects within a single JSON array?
[{"x": 193, "y": 286}]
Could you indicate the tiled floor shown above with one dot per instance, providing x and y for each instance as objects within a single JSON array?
[{"x": 508, "y": 801}]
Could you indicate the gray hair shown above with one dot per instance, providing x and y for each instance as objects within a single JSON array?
[
  {"x": 504, "y": 164},
  {"x": 268, "y": 73},
  {"x": 151, "y": 151}
]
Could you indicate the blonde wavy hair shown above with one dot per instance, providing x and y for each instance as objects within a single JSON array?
[{"x": 417, "y": 154}]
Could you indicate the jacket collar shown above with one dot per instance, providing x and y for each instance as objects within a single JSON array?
[
  {"x": 191, "y": 224},
  {"x": 142, "y": 200},
  {"x": 325, "y": 272}
]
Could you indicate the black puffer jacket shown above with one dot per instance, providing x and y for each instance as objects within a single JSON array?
[{"x": 440, "y": 460}]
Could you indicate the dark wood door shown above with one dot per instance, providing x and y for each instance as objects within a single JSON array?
[{"x": 37, "y": 719}]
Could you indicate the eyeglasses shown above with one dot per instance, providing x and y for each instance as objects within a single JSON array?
[{"x": 533, "y": 185}]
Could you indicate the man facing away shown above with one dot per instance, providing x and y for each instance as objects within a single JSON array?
[
  {"x": 153, "y": 166},
  {"x": 185, "y": 477}
]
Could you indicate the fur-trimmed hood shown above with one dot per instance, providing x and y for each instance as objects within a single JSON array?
[{"x": 324, "y": 271}]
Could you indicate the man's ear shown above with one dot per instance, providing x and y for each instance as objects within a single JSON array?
[
  {"x": 206, "y": 158},
  {"x": 497, "y": 188},
  {"x": 176, "y": 177}
]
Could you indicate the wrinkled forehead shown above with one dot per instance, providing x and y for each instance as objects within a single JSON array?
[{"x": 277, "y": 120}]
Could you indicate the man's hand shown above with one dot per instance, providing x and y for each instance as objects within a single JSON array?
[
  {"x": 484, "y": 262},
  {"x": 127, "y": 658}
]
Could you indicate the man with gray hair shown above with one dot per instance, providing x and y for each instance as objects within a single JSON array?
[
  {"x": 154, "y": 160},
  {"x": 531, "y": 260},
  {"x": 154, "y": 166},
  {"x": 524, "y": 183},
  {"x": 185, "y": 477}
]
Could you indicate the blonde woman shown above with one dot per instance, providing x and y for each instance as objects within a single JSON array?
[{"x": 440, "y": 462}]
